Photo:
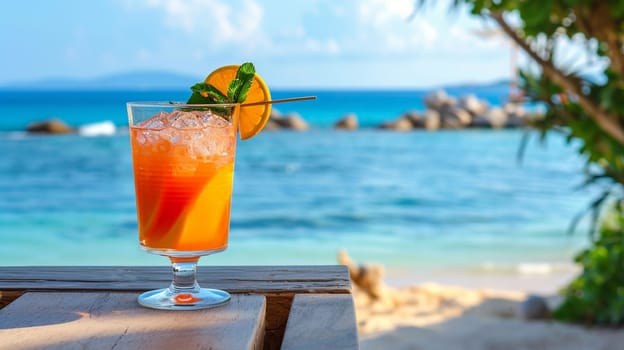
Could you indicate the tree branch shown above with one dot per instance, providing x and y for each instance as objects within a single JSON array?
[
  {"x": 597, "y": 22},
  {"x": 606, "y": 121},
  {"x": 606, "y": 31}
]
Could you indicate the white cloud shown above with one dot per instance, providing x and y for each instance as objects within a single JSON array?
[
  {"x": 216, "y": 22},
  {"x": 380, "y": 12},
  {"x": 386, "y": 24},
  {"x": 326, "y": 28},
  {"x": 426, "y": 33},
  {"x": 324, "y": 31}
]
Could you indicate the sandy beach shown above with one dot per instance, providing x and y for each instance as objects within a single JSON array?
[{"x": 468, "y": 311}]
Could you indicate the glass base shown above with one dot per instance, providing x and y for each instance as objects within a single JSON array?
[
  {"x": 201, "y": 298},
  {"x": 172, "y": 253}
]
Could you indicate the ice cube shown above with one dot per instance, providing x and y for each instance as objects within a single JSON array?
[
  {"x": 147, "y": 136},
  {"x": 212, "y": 146},
  {"x": 170, "y": 134},
  {"x": 212, "y": 120},
  {"x": 155, "y": 122},
  {"x": 141, "y": 139},
  {"x": 185, "y": 120}
]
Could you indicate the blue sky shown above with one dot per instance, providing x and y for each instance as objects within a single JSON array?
[{"x": 314, "y": 43}]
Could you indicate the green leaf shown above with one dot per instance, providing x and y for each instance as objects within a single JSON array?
[
  {"x": 233, "y": 88},
  {"x": 244, "y": 91},
  {"x": 197, "y": 99},
  {"x": 206, "y": 93},
  {"x": 239, "y": 87}
]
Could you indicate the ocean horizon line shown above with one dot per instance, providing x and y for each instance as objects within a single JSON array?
[
  {"x": 172, "y": 81},
  {"x": 476, "y": 86}
]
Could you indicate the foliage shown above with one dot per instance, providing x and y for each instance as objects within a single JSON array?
[
  {"x": 204, "y": 93},
  {"x": 597, "y": 295},
  {"x": 584, "y": 99}
]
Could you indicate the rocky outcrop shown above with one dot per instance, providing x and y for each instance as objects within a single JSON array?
[
  {"x": 439, "y": 100},
  {"x": 455, "y": 117},
  {"x": 473, "y": 105},
  {"x": 52, "y": 126},
  {"x": 400, "y": 124},
  {"x": 442, "y": 112},
  {"x": 272, "y": 123},
  {"x": 348, "y": 122},
  {"x": 290, "y": 121},
  {"x": 447, "y": 112},
  {"x": 534, "y": 307},
  {"x": 429, "y": 120},
  {"x": 494, "y": 118},
  {"x": 517, "y": 116}
]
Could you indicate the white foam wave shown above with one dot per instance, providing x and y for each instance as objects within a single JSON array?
[
  {"x": 535, "y": 268},
  {"x": 104, "y": 128},
  {"x": 527, "y": 268}
]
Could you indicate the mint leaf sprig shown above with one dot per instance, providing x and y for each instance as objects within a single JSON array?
[
  {"x": 237, "y": 91},
  {"x": 239, "y": 87},
  {"x": 206, "y": 94}
]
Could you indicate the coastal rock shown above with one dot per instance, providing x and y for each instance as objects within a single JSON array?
[
  {"x": 401, "y": 124},
  {"x": 430, "y": 120},
  {"x": 292, "y": 121},
  {"x": 515, "y": 122},
  {"x": 514, "y": 109},
  {"x": 516, "y": 115},
  {"x": 271, "y": 125},
  {"x": 439, "y": 100},
  {"x": 498, "y": 117},
  {"x": 494, "y": 118},
  {"x": 274, "y": 120},
  {"x": 480, "y": 121},
  {"x": 415, "y": 118},
  {"x": 348, "y": 122},
  {"x": 52, "y": 126},
  {"x": 455, "y": 118},
  {"x": 275, "y": 113},
  {"x": 473, "y": 105},
  {"x": 534, "y": 308}
]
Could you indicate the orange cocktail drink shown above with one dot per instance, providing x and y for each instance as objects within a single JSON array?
[
  {"x": 183, "y": 159},
  {"x": 183, "y": 170}
]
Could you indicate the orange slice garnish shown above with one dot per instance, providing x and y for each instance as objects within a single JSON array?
[{"x": 252, "y": 119}]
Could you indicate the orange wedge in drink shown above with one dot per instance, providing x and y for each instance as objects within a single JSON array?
[{"x": 252, "y": 119}]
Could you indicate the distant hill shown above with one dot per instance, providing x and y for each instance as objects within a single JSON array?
[
  {"x": 502, "y": 84},
  {"x": 163, "y": 80},
  {"x": 138, "y": 80}
]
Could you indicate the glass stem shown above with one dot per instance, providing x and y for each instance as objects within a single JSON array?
[{"x": 184, "y": 277}]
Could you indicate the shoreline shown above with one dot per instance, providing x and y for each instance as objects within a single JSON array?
[
  {"x": 536, "y": 282},
  {"x": 448, "y": 311}
]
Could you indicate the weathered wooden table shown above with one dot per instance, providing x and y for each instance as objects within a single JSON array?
[{"x": 272, "y": 307}]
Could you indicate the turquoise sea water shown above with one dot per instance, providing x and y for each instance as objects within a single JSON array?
[{"x": 455, "y": 199}]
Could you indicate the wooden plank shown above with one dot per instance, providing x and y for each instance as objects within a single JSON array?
[
  {"x": 116, "y": 321},
  {"x": 6, "y": 297},
  {"x": 278, "y": 308},
  {"x": 235, "y": 279},
  {"x": 321, "y": 321}
]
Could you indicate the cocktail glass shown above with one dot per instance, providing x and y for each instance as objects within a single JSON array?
[{"x": 183, "y": 159}]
